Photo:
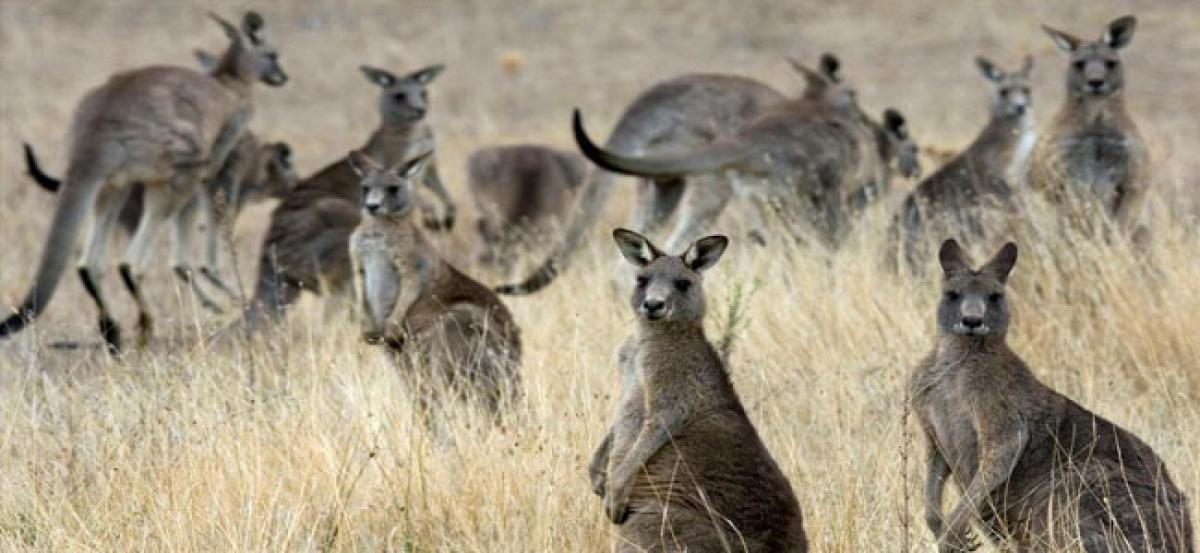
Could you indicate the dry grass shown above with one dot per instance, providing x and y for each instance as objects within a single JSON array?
[{"x": 309, "y": 442}]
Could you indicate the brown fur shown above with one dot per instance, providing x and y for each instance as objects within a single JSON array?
[
  {"x": 1034, "y": 467},
  {"x": 443, "y": 328},
  {"x": 683, "y": 467},
  {"x": 522, "y": 192}
]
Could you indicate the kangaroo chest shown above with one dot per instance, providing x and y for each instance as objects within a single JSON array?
[
  {"x": 1097, "y": 159},
  {"x": 947, "y": 414}
]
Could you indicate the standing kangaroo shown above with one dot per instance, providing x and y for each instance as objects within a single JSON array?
[
  {"x": 678, "y": 115},
  {"x": 522, "y": 192},
  {"x": 1034, "y": 467},
  {"x": 305, "y": 247},
  {"x": 981, "y": 180},
  {"x": 682, "y": 467},
  {"x": 444, "y": 329},
  {"x": 1092, "y": 155},
  {"x": 168, "y": 128}
]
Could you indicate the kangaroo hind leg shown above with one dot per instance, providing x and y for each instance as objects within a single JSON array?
[{"x": 105, "y": 212}]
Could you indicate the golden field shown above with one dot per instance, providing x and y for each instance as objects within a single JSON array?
[{"x": 308, "y": 442}]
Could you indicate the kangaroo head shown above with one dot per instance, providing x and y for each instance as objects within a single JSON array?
[
  {"x": 276, "y": 169},
  {"x": 1096, "y": 69},
  {"x": 404, "y": 99},
  {"x": 387, "y": 190},
  {"x": 825, "y": 85},
  {"x": 973, "y": 302},
  {"x": 668, "y": 287},
  {"x": 249, "y": 57},
  {"x": 1011, "y": 96},
  {"x": 896, "y": 143}
]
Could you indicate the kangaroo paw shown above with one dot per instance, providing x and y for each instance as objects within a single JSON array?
[{"x": 111, "y": 332}]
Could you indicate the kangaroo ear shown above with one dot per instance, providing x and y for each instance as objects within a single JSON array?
[
  {"x": 362, "y": 163},
  {"x": 413, "y": 167},
  {"x": 831, "y": 67},
  {"x": 1066, "y": 42},
  {"x": 207, "y": 61},
  {"x": 252, "y": 23},
  {"x": 428, "y": 74},
  {"x": 893, "y": 122},
  {"x": 1119, "y": 32},
  {"x": 231, "y": 31},
  {"x": 989, "y": 69},
  {"x": 953, "y": 258},
  {"x": 378, "y": 76},
  {"x": 705, "y": 252},
  {"x": 1002, "y": 264},
  {"x": 635, "y": 247},
  {"x": 812, "y": 78}
]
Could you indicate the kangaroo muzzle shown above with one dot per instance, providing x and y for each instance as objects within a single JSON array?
[{"x": 971, "y": 317}]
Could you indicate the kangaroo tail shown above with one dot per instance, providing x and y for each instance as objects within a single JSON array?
[
  {"x": 75, "y": 199},
  {"x": 35, "y": 172}
]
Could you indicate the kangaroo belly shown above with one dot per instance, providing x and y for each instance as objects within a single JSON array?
[
  {"x": 1096, "y": 163},
  {"x": 381, "y": 288}
]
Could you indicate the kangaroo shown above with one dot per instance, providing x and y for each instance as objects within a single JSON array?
[
  {"x": 166, "y": 127},
  {"x": 676, "y": 115},
  {"x": 1034, "y": 467},
  {"x": 305, "y": 247},
  {"x": 442, "y": 328},
  {"x": 684, "y": 468},
  {"x": 1092, "y": 155},
  {"x": 253, "y": 171},
  {"x": 810, "y": 162},
  {"x": 521, "y": 192},
  {"x": 985, "y": 175}
]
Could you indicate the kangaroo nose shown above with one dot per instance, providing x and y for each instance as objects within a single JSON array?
[
  {"x": 653, "y": 308},
  {"x": 372, "y": 208},
  {"x": 1096, "y": 84},
  {"x": 972, "y": 322}
]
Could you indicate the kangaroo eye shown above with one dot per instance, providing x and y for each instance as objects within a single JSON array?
[
  {"x": 683, "y": 285},
  {"x": 642, "y": 282},
  {"x": 365, "y": 191},
  {"x": 1110, "y": 63},
  {"x": 1080, "y": 65},
  {"x": 953, "y": 296},
  {"x": 1004, "y": 93},
  {"x": 393, "y": 190},
  {"x": 995, "y": 297}
]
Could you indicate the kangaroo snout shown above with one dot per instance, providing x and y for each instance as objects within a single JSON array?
[{"x": 654, "y": 309}]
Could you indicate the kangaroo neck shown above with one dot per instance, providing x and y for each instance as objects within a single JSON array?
[
  {"x": 951, "y": 345},
  {"x": 1089, "y": 109},
  {"x": 998, "y": 141},
  {"x": 226, "y": 72},
  {"x": 390, "y": 142}
]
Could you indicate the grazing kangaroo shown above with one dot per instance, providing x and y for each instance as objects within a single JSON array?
[
  {"x": 1034, "y": 467},
  {"x": 677, "y": 115},
  {"x": 1092, "y": 155},
  {"x": 305, "y": 247},
  {"x": 980, "y": 180},
  {"x": 168, "y": 128},
  {"x": 444, "y": 329},
  {"x": 815, "y": 164},
  {"x": 682, "y": 467},
  {"x": 522, "y": 192},
  {"x": 253, "y": 171}
]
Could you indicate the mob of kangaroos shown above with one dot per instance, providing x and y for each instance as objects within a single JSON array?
[
  {"x": 444, "y": 330},
  {"x": 169, "y": 128},
  {"x": 305, "y": 248},
  {"x": 980, "y": 182},
  {"x": 1092, "y": 156},
  {"x": 682, "y": 467},
  {"x": 1035, "y": 469}
]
